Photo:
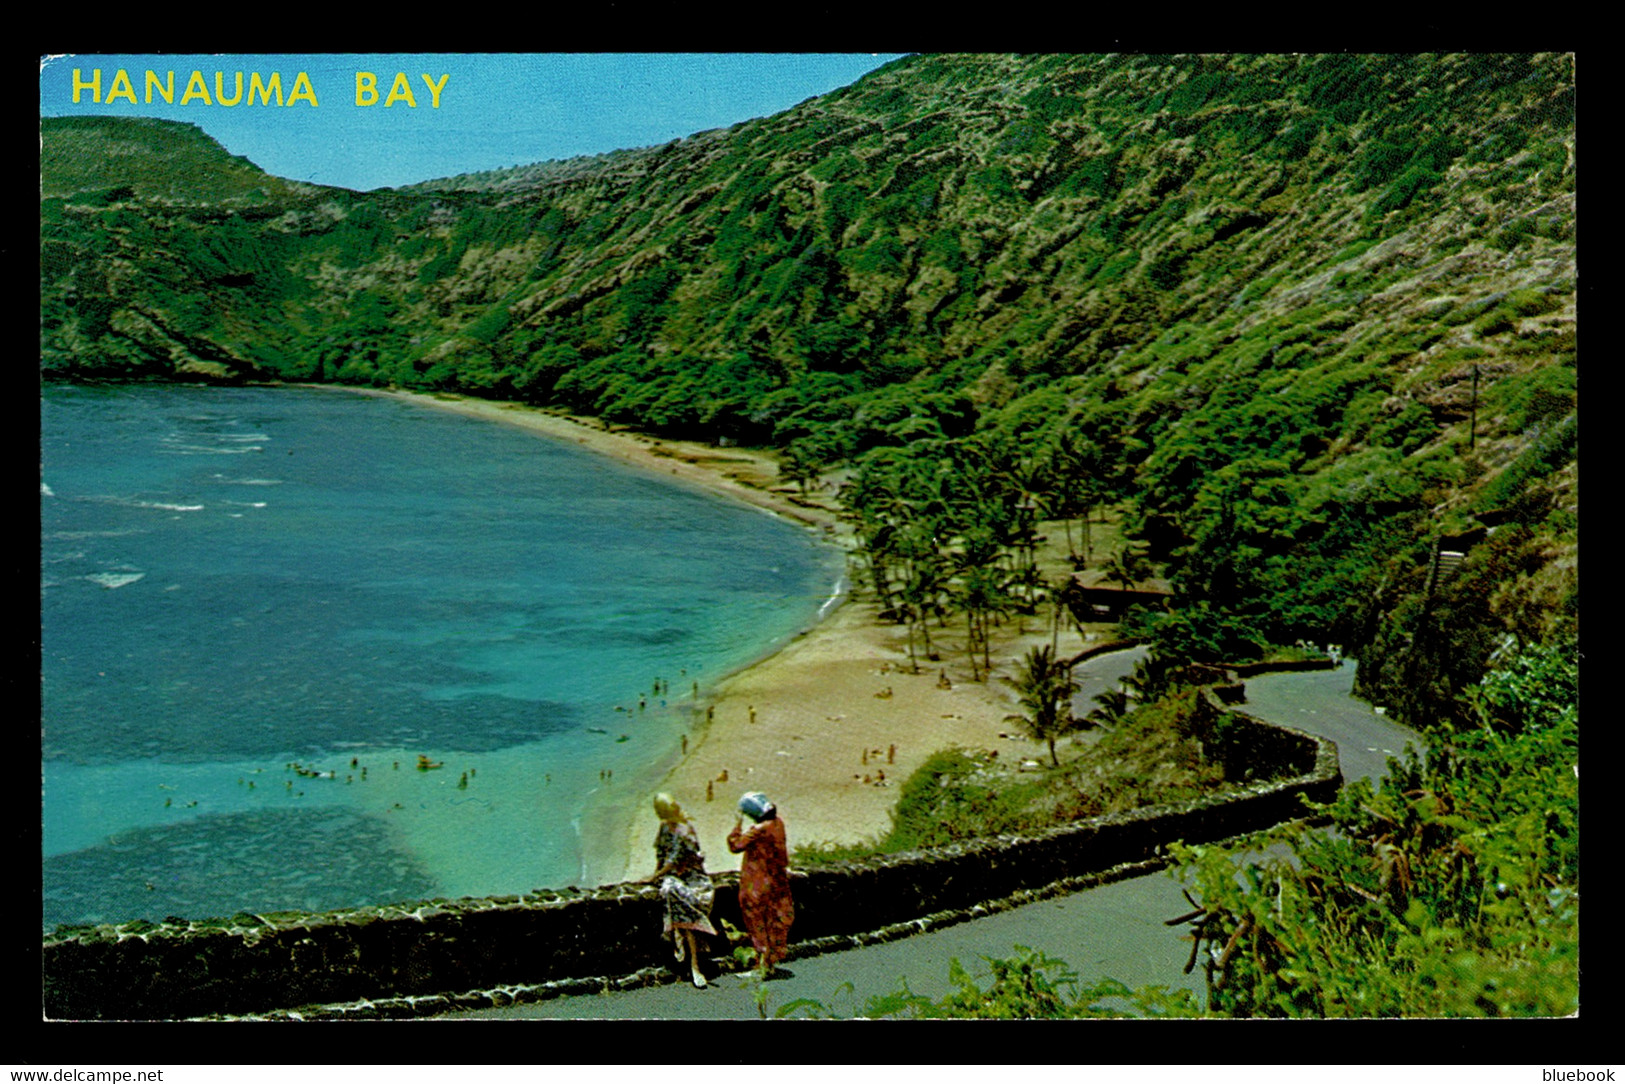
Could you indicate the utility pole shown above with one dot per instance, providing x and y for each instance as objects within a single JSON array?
[{"x": 1472, "y": 419}]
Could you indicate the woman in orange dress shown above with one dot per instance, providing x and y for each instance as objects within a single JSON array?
[{"x": 764, "y": 879}]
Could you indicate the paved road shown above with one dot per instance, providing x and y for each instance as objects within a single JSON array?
[
  {"x": 1115, "y": 930},
  {"x": 1096, "y": 675},
  {"x": 1318, "y": 701}
]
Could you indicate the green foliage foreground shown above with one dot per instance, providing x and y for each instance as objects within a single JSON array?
[
  {"x": 1451, "y": 890},
  {"x": 1027, "y": 985}
]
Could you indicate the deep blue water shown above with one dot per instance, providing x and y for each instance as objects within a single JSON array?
[{"x": 234, "y": 581}]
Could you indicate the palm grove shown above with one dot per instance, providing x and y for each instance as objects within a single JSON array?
[{"x": 1300, "y": 323}]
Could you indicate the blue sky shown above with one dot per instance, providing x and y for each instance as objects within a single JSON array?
[{"x": 495, "y": 110}]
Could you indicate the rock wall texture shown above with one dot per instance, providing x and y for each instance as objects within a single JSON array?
[{"x": 416, "y": 956}]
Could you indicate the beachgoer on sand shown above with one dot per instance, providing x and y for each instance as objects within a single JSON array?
[
  {"x": 764, "y": 879},
  {"x": 685, "y": 887}
]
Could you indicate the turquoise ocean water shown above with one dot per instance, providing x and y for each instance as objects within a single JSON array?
[{"x": 237, "y": 581}]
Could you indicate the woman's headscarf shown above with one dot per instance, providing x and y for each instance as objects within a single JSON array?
[{"x": 756, "y": 806}]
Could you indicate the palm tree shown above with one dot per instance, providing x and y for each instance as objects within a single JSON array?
[
  {"x": 1045, "y": 686},
  {"x": 1152, "y": 678},
  {"x": 1079, "y": 470},
  {"x": 799, "y": 468},
  {"x": 1126, "y": 568},
  {"x": 924, "y": 577},
  {"x": 1056, "y": 591},
  {"x": 1114, "y": 704},
  {"x": 980, "y": 591}
]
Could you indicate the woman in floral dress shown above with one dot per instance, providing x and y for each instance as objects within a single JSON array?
[
  {"x": 764, "y": 879},
  {"x": 685, "y": 887}
]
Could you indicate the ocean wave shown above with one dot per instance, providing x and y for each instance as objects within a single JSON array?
[
  {"x": 200, "y": 449},
  {"x": 134, "y": 502},
  {"x": 248, "y": 481},
  {"x": 837, "y": 593},
  {"x": 73, "y": 536},
  {"x": 45, "y": 490},
  {"x": 111, "y": 580}
]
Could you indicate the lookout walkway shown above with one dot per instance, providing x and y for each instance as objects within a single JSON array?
[{"x": 1115, "y": 930}]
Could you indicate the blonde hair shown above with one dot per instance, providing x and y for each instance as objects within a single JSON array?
[{"x": 667, "y": 808}]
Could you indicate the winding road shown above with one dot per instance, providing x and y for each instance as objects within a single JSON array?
[{"x": 1115, "y": 930}]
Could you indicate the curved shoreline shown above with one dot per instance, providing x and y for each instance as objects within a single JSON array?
[
  {"x": 739, "y": 473},
  {"x": 828, "y": 724}
]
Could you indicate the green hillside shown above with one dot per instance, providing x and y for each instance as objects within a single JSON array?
[
  {"x": 153, "y": 159},
  {"x": 1298, "y": 316}
]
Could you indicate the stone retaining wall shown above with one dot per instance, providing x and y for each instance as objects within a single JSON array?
[
  {"x": 255, "y": 964},
  {"x": 1251, "y": 669},
  {"x": 1105, "y": 648}
]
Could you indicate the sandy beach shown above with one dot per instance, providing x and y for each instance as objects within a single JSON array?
[{"x": 830, "y": 726}]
